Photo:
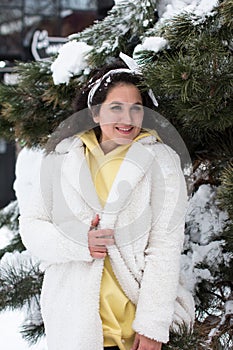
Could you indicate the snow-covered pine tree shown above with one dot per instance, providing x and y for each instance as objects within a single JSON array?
[{"x": 185, "y": 51}]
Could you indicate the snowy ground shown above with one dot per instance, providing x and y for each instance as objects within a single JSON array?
[{"x": 10, "y": 337}]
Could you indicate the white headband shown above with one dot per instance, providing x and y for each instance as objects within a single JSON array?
[
  {"x": 98, "y": 82},
  {"x": 133, "y": 69}
]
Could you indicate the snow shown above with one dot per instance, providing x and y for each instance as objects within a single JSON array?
[
  {"x": 70, "y": 61},
  {"x": 209, "y": 253},
  {"x": 170, "y": 8},
  {"x": 167, "y": 9},
  {"x": 145, "y": 23},
  {"x": 119, "y": 2},
  {"x": 204, "y": 221},
  {"x": 152, "y": 43},
  {"x": 229, "y": 307},
  {"x": 10, "y": 337},
  {"x": 6, "y": 236},
  {"x": 19, "y": 260},
  {"x": 204, "y": 218}
]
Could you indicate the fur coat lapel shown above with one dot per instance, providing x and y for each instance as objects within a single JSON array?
[
  {"x": 133, "y": 168},
  {"x": 76, "y": 172}
]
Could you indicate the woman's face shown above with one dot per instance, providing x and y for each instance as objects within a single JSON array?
[{"x": 120, "y": 116}]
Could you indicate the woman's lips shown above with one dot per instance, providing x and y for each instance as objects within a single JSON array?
[{"x": 124, "y": 130}]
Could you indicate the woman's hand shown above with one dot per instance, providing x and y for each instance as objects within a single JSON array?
[
  {"x": 143, "y": 343},
  {"x": 98, "y": 240}
]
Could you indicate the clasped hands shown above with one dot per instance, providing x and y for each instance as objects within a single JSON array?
[{"x": 99, "y": 239}]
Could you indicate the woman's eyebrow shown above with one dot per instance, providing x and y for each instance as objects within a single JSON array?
[
  {"x": 116, "y": 102},
  {"x": 122, "y": 103}
]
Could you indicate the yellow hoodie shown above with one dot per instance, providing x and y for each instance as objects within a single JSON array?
[{"x": 116, "y": 310}]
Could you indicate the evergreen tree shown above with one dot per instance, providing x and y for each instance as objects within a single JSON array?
[{"x": 186, "y": 60}]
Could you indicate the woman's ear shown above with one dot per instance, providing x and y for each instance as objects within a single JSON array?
[
  {"x": 96, "y": 118},
  {"x": 95, "y": 114}
]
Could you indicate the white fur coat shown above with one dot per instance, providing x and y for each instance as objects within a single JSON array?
[{"x": 146, "y": 208}]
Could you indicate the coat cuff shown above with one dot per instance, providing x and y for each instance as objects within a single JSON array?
[{"x": 158, "y": 331}]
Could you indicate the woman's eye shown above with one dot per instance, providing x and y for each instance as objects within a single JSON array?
[
  {"x": 116, "y": 108},
  {"x": 137, "y": 108}
]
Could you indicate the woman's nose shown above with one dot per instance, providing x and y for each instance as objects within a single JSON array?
[{"x": 127, "y": 115}]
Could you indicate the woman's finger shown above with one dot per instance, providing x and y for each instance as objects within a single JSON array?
[
  {"x": 98, "y": 249},
  {"x": 136, "y": 342},
  {"x": 98, "y": 255},
  {"x": 100, "y": 242},
  {"x": 95, "y": 221}
]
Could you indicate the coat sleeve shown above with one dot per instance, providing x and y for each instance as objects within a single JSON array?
[
  {"x": 159, "y": 285},
  {"x": 39, "y": 234}
]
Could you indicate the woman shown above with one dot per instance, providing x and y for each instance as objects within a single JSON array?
[{"x": 107, "y": 221}]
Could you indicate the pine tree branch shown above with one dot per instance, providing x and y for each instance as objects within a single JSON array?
[
  {"x": 32, "y": 328},
  {"x": 184, "y": 339},
  {"x": 32, "y": 333},
  {"x": 225, "y": 193},
  {"x": 20, "y": 281},
  {"x": 9, "y": 217},
  {"x": 129, "y": 19},
  {"x": 14, "y": 245}
]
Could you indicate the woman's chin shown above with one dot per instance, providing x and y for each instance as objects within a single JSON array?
[{"x": 123, "y": 141}]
